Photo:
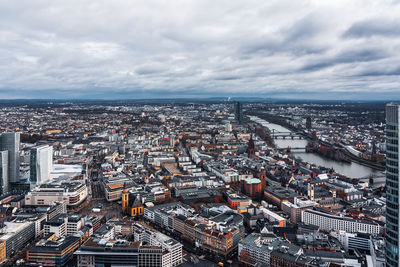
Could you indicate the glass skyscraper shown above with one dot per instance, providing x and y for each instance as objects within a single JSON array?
[
  {"x": 392, "y": 184},
  {"x": 238, "y": 112},
  {"x": 41, "y": 164},
  {"x": 11, "y": 143},
  {"x": 4, "y": 183}
]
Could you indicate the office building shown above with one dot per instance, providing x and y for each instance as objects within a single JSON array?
[
  {"x": 291, "y": 257},
  {"x": 236, "y": 200},
  {"x": 392, "y": 184},
  {"x": 149, "y": 248},
  {"x": 52, "y": 251},
  {"x": 255, "y": 249},
  {"x": 73, "y": 193},
  {"x": 95, "y": 252},
  {"x": 326, "y": 221},
  {"x": 15, "y": 236},
  {"x": 172, "y": 249},
  {"x": 277, "y": 195},
  {"x": 41, "y": 164},
  {"x": 360, "y": 241},
  {"x": 295, "y": 209},
  {"x": 57, "y": 226},
  {"x": 11, "y": 143},
  {"x": 4, "y": 182},
  {"x": 238, "y": 112}
]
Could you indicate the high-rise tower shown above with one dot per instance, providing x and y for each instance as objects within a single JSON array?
[
  {"x": 4, "y": 182},
  {"x": 41, "y": 164},
  {"x": 11, "y": 143},
  {"x": 392, "y": 184},
  {"x": 308, "y": 123},
  {"x": 238, "y": 112}
]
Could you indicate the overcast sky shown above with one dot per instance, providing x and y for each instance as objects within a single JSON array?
[{"x": 326, "y": 49}]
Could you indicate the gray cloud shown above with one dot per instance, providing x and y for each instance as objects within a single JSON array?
[
  {"x": 351, "y": 56},
  {"x": 120, "y": 49},
  {"x": 374, "y": 27},
  {"x": 382, "y": 72}
]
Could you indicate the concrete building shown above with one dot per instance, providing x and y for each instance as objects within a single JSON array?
[
  {"x": 57, "y": 226},
  {"x": 52, "y": 251},
  {"x": 41, "y": 164},
  {"x": 64, "y": 225},
  {"x": 4, "y": 181},
  {"x": 173, "y": 249},
  {"x": 327, "y": 221},
  {"x": 73, "y": 193},
  {"x": 15, "y": 236},
  {"x": 236, "y": 200},
  {"x": 295, "y": 209},
  {"x": 289, "y": 257},
  {"x": 101, "y": 252},
  {"x": 150, "y": 248},
  {"x": 255, "y": 249},
  {"x": 273, "y": 217},
  {"x": 74, "y": 224},
  {"x": 218, "y": 234},
  {"x": 392, "y": 185},
  {"x": 11, "y": 143},
  {"x": 277, "y": 195},
  {"x": 360, "y": 241}
]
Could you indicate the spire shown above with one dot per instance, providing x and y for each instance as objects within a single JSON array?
[{"x": 251, "y": 147}]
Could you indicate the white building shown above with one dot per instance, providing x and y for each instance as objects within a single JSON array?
[
  {"x": 257, "y": 247},
  {"x": 15, "y": 236},
  {"x": 328, "y": 222},
  {"x": 353, "y": 240},
  {"x": 228, "y": 127},
  {"x": 74, "y": 224},
  {"x": 41, "y": 164},
  {"x": 57, "y": 226},
  {"x": 172, "y": 249},
  {"x": 73, "y": 193},
  {"x": 4, "y": 182}
]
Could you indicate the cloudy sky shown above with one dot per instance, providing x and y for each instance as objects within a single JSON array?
[{"x": 330, "y": 49}]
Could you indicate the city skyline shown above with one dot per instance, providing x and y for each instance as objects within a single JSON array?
[
  {"x": 213, "y": 183},
  {"x": 279, "y": 49}
]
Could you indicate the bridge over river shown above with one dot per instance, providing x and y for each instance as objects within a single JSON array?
[
  {"x": 283, "y": 135},
  {"x": 292, "y": 149},
  {"x": 351, "y": 170}
]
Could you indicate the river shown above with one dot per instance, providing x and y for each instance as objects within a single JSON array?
[{"x": 351, "y": 170}]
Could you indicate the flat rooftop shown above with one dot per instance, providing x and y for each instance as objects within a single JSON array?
[
  {"x": 12, "y": 228},
  {"x": 280, "y": 192}
]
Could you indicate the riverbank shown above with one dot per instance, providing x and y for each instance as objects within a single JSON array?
[
  {"x": 337, "y": 152},
  {"x": 351, "y": 169}
]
